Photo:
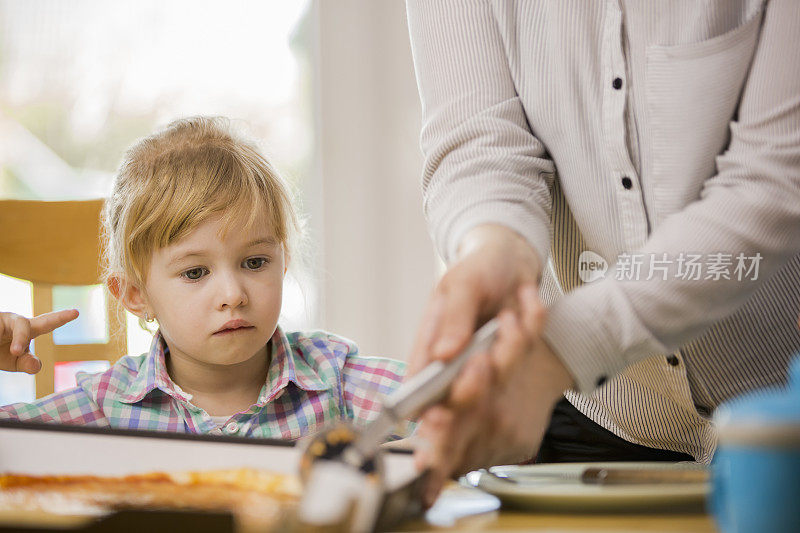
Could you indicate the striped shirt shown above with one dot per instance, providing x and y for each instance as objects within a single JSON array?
[
  {"x": 313, "y": 379},
  {"x": 650, "y": 154}
]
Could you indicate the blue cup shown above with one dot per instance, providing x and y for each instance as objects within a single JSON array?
[{"x": 756, "y": 469}]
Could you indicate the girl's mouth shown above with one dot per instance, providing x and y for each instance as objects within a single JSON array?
[
  {"x": 234, "y": 325},
  {"x": 228, "y": 331}
]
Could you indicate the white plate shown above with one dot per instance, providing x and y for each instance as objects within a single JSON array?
[{"x": 539, "y": 487}]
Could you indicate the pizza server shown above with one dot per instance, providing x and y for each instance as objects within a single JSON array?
[{"x": 342, "y": 467}]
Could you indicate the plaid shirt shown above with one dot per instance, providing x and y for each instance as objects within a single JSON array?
[{"x": 313, "y": 378}]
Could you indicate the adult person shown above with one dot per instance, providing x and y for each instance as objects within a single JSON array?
[{"x": 659, "y": 139}]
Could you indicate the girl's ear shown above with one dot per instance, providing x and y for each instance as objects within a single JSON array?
[{"x": 128, "y": 294}]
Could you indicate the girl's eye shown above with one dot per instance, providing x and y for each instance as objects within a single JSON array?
[
  {"x": 194, "y": 274},
  {"x": 254, "y": 263}
]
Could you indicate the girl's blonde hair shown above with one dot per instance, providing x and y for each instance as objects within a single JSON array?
[{"x": 174, "y": 180}]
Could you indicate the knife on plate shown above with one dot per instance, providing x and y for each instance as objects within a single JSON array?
[{"x": 610, "y": 476}]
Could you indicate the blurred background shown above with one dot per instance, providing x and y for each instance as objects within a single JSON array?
[{"x": 327, "y": 87}]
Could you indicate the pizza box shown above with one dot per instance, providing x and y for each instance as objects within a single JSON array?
[{"x": 57, "y": 449}]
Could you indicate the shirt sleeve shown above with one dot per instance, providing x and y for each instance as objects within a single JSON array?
[
  {"x": 482, "y": 163},
  {"x": 367, "y": 383},
  {"x": 750, "y": 207},
  {"x": 72, "y": 406}
]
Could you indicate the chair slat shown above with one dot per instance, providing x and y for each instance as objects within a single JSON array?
[{"x": 53, "y": 242}]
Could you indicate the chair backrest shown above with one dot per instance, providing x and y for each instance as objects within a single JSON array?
[{"x": 58, "y": 243}]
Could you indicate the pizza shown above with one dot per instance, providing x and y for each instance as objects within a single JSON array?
[{"x": 255, "y": 497}]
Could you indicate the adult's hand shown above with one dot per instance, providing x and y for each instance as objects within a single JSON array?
[
  {"x": 16, "y": 333},
  {"x": 500, "y": 405}
]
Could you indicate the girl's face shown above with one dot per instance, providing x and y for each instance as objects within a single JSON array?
[{"x": 217, "y": 301}]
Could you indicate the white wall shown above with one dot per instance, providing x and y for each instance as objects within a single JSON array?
[{"x": 377, "y": 261}]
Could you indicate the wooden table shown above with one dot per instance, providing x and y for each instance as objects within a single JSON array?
[
  {"x": 457, "y": 510},
  {"x": 465, "y": 509}
]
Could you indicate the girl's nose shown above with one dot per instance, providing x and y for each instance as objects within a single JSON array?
[{"x": 232, "y": 292}]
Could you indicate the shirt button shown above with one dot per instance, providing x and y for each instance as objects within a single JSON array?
[
  {"x": 673, "y": 360},
  {"x": 232, "y": 427},
  {"x": 601, "y": 381},
  {"x": 627, "y": 183},
  {"x": 617, "y": 83}
]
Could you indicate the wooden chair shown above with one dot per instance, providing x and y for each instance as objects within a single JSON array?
[{"x": 58, "y": 243}]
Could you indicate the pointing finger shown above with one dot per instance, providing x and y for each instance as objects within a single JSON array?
[{"x": 49, "y": 321}]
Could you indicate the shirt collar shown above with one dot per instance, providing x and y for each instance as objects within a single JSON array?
[
  {"x": 153, "y": 375},
  {"x": 287, "y": 365}
]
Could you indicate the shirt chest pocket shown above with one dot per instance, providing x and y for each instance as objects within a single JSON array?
[{"x": 692, "y": 91}]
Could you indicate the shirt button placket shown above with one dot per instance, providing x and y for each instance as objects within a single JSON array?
[{"x": 620, "y": 165}]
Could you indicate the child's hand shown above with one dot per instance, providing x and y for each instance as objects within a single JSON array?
[{"x": 16, "y": 333}]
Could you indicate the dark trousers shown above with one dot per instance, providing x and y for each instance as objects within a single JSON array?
[{"x": 572, "y": 437}]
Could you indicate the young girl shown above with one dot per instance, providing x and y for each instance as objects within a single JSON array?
[{"x": 198, "y": 232}]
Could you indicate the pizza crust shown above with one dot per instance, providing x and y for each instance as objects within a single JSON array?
[{"x": 256, "y": 498}]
